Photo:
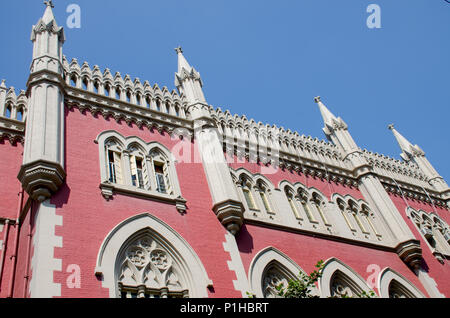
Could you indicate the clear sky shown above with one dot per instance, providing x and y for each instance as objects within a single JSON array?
[{"x": 269, "y": 59}]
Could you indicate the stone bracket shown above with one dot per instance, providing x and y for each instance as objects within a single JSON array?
[
  {"x": 41, "y": 179},
  {"x": 230, "y": 214}
]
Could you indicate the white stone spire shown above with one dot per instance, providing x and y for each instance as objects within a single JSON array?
[
  {"x": 48, "y": 14},
  {"x": 408, "y": 149},
  {"x": 182, "y": 62},
  {"x": 327, "y": 115},
  {"x": 417, "y": 155},
  {"x": 188, "y": 80}
]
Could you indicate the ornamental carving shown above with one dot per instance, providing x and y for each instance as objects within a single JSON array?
[
  {"x": 271, "y": 280},
  {"x": 145, "y": 262}
]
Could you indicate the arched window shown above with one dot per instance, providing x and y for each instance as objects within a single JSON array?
[
  {"x": 96, "y": 87},
  {"x": 8, "y": 111},
  {"x": 158, "y": 104},
  {"x": 147, "y": 101},
  {"x": 369, "y": 217},
  {"x": 144, "y": 257},
  {"x": 393, "y": 285},
  {"x": 342, "y": 286},
  {"x": 304, "y": 200},
  {"x": 246, "y": 187},
  {"x": 107, "y": 91},
  {"x": 320, "y": 205},
  {"x": 19, "y": 115},
  {"x": 264, "y": 193},
  {"x": 292, "y": 203},
  {"x": 138, "y": 167},
  {"x": 343, "y": 208},
  {"x": 161, "y": 171},
  {"x": 396, "y": 290},
  {"x": 128, "y": 96},
  {"x": 270, "y": 268},
  {"x": 341, "y": 281},
  {"x": 354, "y": 208},
  {"x": 114, "y": 155}
]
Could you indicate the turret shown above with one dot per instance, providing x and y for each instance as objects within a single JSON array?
[
  {"x": 42, "y": 172},
  {"x": 415, "y": 154}
]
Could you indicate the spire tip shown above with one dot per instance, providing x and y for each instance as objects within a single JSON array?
[{"x": 179, "y": 50}]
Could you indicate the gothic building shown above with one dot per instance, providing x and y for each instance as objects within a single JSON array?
[{"x": 114, "y": 187}]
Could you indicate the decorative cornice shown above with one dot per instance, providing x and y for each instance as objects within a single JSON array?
[{"x": 120, "y": 110}]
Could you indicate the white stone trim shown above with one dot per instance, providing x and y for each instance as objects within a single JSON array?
[
  {"x": 387, "y": 275},
  {"x": 43, "y": 262},
  {"x": 263, "y": 259},
  {"x": 330, "y": 267},
  {"x": 241, "y": 283},
  {"x": 196, "y": 276}
]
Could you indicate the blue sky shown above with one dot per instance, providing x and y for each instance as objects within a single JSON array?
[{"x": 269, "y": 59}]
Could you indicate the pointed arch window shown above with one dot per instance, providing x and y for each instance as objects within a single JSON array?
[
  {"x": 246, "y": 187},
  {"x": 397, "y": 290},
  {"x": 354, "y": 208},
  {"x": 19, "y": 115},
  {"x": 304, "y": 200},
  {"x": 342, "y": 286},
  {"x": 161, "y": 172},
  {"x": 114, "y": 155},
  {"x": 319, "y": 205},
  {"x": 8, "y": 111},
  {"x": 342, "y": 207},
  {"x": 292, "y": 203},
  {"x": 264, "y": 194},
  {"x": 368, "y": 216},
  {"x": 138, "y": 168}
]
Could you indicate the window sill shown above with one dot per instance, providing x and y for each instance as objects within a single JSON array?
[{"x": 110, "y": 189}]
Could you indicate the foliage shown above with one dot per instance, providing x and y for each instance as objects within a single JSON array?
[{"x": 302, "y": 286}]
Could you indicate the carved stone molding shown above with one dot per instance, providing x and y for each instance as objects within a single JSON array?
[
  {"x": 230, "y": 214},
  {"x": 109, "y": 189}
]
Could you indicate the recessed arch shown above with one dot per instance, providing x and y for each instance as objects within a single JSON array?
[
  {"x": 388, "y": 276},
  {"x": 263, "y": 261},
  {"x": 336, "y": 269},
  {"x": 194, "y": 272}
]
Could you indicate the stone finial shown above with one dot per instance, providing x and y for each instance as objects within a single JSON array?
[
  {"x": 317, "y": 99},
  {"x": 179, "y": 50},
  {"x": 3, "y": 83},
  {"x": 391, "y": 127},
  {"x": 49, "y": 3}
]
